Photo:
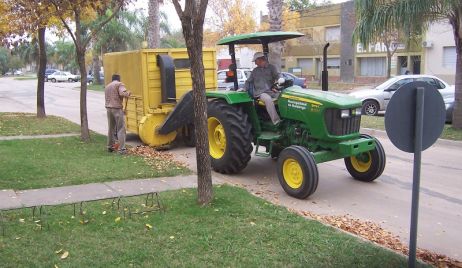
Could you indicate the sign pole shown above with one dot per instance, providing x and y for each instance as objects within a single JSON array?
[{"x": 418, "y": 128}]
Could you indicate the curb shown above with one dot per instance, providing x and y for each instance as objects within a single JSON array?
[
  {"x": 21, "y": 137},
  {"x": 383, "y": 134}
]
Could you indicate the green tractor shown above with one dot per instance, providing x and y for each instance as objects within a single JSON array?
[{"x": 316, "y": 127}]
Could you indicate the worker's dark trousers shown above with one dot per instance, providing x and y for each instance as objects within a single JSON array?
[{"x": 116, "y": 124}]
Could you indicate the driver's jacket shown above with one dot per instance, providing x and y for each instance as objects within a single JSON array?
[{"x": 261, "y": 80}]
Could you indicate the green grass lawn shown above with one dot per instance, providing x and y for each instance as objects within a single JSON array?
[
  {"x": 377, "y": 122},
  {"x": 96, "y": 87},
  {"x": 13, "y": 124},
  {"x": 236, "y": 230},
  {"x": 27, "y": 77},
  {"x": 38, "y": 163}
]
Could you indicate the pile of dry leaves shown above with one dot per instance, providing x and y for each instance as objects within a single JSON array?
[
  {"x": 160, "y": 160},
  {"x": 373, "y": 232}
]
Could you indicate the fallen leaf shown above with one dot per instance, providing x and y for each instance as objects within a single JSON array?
[
  {"x": 65, "y": 255},
  {"x": 59, "y": 251},
  {"x": 148, "y": 226},
  {"x": 252, "y": 223},
  {"x": 104, "y": 212},
  {"x": 172, "y": 237},
  {"x": 22, "y": 220},
  {"x": 117, "y": 219}
]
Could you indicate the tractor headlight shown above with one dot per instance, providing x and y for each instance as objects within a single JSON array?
[{"x": 345, "y": 113}]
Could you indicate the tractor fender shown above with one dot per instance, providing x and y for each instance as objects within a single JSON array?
[{"x": 231, "y": 97}]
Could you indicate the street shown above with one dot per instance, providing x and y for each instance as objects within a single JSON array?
[{"x": 387, "y": 201}]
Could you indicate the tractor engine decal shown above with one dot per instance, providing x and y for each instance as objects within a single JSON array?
[
  {"x": 301, "y": 99},
  {"x": 297, "y": 105}
]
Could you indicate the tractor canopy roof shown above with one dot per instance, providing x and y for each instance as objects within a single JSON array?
[{"x": 258, "y": 38}]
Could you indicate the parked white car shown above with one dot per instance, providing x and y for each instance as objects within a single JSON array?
[
  {"x": 377, "y": 99},
  {"x": 242, "y": 75},
  {"x": 63, "y": 76}
]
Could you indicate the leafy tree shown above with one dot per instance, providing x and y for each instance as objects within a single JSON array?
[
  {"x": 88, "y": 18},
  {"x": 15, "y": 63},
  {"x": 23, "y": 17},
  {"x": 297, "y": 5},
  {"x": 124, "y": 32},
  {"x": 229, "y": 17},
  {"x": 173, "y": 40},
  {"x": 28, "y": 51},
  {"x": 65, "y": 55},
  {"x": 411, "y": 16},
  {"x": 4, "y": 58},
  {"x": 192, "y": 22}
]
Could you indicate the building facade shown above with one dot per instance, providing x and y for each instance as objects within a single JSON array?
[
  {"x": 349, "y": 61},
  {"x": 440, "y": 51}
]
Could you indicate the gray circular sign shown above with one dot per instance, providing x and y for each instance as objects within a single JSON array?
[{"x": 400, "y": 116}]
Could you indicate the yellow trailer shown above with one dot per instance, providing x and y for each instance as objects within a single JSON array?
[{"x": 157, "y": 79}]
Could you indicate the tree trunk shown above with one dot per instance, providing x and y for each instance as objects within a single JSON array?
[
  {"x": 153, "y": 24},
  {"x": 84, "y": 130},
  {"x": 42, "y": 64},
  {"x": 389, "y": 55},
  {"x": 192, "y": 24},
  {"x": 275, "y": 21},
  {"x": 96, "y": 67},
  {"x": 456, "y": 23},
  {"x": 80, "y": 52}
]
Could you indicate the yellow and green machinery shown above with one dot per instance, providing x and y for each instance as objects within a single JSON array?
[
  {"x": 316, "y": 126},
  {"x": 157, "y": 79}
]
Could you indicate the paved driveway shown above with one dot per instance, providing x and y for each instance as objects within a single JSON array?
[{"x": 385, "y": 201}]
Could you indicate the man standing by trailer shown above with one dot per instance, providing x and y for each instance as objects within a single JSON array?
[{"x": 114, "y": 94}]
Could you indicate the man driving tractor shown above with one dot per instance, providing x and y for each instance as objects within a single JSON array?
[{"x": 260, "y": 84}]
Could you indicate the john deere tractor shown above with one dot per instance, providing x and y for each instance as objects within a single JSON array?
[{"x": 317, "y": 126}]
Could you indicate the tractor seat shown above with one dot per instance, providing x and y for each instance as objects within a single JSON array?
[
  {"x": 257, "y": 101},
  {"x": 261, "y": 103}
]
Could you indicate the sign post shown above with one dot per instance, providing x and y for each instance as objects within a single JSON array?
[{"x": 414, "y": 120}]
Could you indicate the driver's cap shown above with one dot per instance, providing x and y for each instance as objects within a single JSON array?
[{"x": 258, "y": 55}]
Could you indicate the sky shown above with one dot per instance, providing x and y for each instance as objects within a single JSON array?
[{"x": 173, "y": 20}]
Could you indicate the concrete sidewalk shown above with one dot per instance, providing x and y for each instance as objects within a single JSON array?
[
  {"x": 10, "y": 199},
  {"x": 26, "y": 137}
]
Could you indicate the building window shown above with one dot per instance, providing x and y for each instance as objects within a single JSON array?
[
  {"x": 372, "y": 66},
  {"x": 333, "y": 63},
  {"x": 305, "y": 64},
  {"x": 332, "y": 34},
  {"x": 449, "y": 57}
]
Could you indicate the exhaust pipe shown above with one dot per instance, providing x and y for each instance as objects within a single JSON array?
[{"x": 325, "y": 73}]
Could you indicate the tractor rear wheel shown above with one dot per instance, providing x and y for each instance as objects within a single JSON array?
[
  {"x": 297, "y": 172},
  {"x": 230, "y": 140},
  {"x": 367, "y": 166}
]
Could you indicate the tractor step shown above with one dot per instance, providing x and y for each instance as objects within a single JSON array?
[{"x": 266, "y": 137}]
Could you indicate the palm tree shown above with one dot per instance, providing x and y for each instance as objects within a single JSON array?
[
  {"x": 411, "y": 16},
  {"x": 125, "y": 32},
  {"x": 275, "y": 22},
  {"x": 28, "y": 52},
  {"x": 153, "y": 36}
]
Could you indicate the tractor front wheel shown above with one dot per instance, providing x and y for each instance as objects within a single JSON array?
[
  {"x": 297, "y": 172},
  {"x": 367, "y": 166},
  {"x": 230, "y": 140}
]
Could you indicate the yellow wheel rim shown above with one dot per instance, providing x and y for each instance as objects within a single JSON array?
[
  {"x": 359, "y": 164},
  {"x": 292, "y": 173},
  {"x": 217, "y": 138}
]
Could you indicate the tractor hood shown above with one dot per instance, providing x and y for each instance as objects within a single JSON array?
[{"x": 321, "y": 98}]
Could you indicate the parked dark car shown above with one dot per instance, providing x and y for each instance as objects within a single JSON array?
[
  {"x": 90, "y": 78},
  {"x": 297, "y": 80},
  {"x": 48, "y": 72},
  {"x": 449, "y": 103}
]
